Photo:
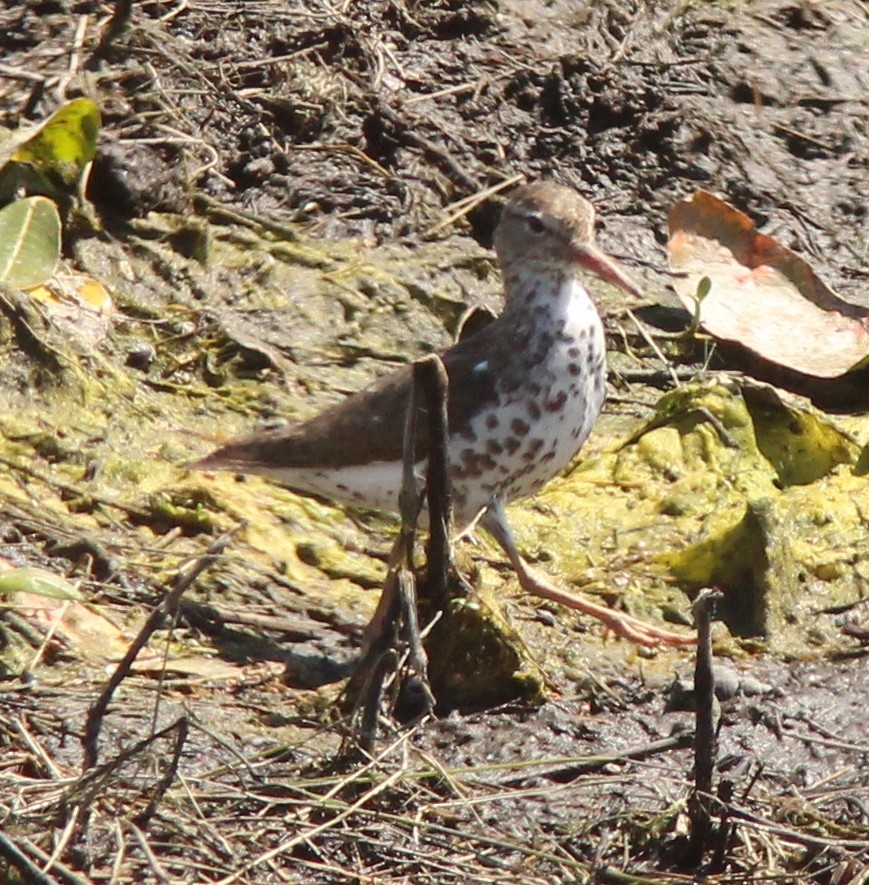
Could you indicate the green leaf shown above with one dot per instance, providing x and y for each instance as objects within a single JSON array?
[
  {"x": 66, "y": 142},
  {"x": 37, "y": 581},
  {"x": 703, "y": 288},
  {"x": 29, "y": 242}
]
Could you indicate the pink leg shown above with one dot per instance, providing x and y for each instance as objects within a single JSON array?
[{"x": 633, "y": 629}]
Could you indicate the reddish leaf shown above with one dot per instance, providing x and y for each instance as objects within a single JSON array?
[{"x": 762, "y": 295}]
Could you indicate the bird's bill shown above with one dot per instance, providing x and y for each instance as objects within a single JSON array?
[{"x": 606, "y": 268}]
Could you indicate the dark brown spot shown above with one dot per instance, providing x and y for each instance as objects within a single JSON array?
[
  {"x": 492, "y": 421},
  {"x": 534, "y": 410},
  {"x": 556, "y": 404},
  {"x": 511, "y": 444},
  {"x": 565, "y": 338},
  {"x": 547, "y": 457},
  {"x": 471, "y": 462},
  {"x": 534, "y": 388},
  {"x": 341, "y": 487},
  {"x": 476, "y": 463},
  {"x": 468, "y": 434},
  {"x": 574, "y": 368},
  {"x": 519, "y": 427},
  {"x": 493, "y": 447},
  {"x": 574, "y": 352},
  {"x": 534, "y": 447}
]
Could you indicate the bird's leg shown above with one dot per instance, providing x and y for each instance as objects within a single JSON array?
[{"x": 494, "y": 520}]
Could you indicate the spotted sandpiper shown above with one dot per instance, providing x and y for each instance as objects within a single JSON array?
[{"x": 524, "y": 393}]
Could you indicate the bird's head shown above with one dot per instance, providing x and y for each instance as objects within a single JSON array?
[{"x": 547, "y": 227}]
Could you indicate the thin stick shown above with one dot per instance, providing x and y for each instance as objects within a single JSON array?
[
  {"x": 379, "y": 657},
  {"x": 169, "y": 604},
  {"x": 18, "y": 860},
  {"x": 117, "y": 23},
  {"x": 432, "y": 376},
  {"x": 700, "y": 806},
  {"x": 462, "y": 207}
]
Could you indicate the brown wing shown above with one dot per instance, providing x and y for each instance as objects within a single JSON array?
[{"x": 369, "y": 425}]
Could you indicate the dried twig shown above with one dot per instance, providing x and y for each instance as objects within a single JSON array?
[
  {"x": 702, "y": 800},
  {"x": 431, "y": 375},
  {"x": 117, "y": 23},
  {"x": 18, "y": 860},
  {"x": 167, "y": 606},
  {"x": 396, "y": 615}
]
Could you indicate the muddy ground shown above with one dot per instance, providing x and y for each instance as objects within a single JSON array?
[{"x": 277, "y": 187}]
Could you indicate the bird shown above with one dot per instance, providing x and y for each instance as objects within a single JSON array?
[{"x": 523, "y": 395}]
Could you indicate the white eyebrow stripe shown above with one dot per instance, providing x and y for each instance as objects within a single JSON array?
[{"x": 482, "y": 367}]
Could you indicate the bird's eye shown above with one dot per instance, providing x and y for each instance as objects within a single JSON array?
[{"x": 535, "y": 225}]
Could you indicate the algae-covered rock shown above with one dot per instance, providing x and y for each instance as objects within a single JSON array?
[
  {"x": 762, "y": 489},
  {"x": 477, "y": 661},
  {"x": 753, "y": 563}
]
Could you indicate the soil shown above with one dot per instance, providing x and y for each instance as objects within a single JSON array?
[{"x": 291, "y": 142}]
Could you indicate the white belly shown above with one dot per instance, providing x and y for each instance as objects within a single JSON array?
[{"x": 542, "y": 425}]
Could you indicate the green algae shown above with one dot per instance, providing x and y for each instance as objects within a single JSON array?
[
  {"x": 731, "y": 485},
  {"x": 801, "y": 445},
  {"x": 477, "y": 660}
]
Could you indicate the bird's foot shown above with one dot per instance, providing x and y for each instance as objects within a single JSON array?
[
  {"x": 628, "y": 627},
  {"x": 633, "y": 629}
]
